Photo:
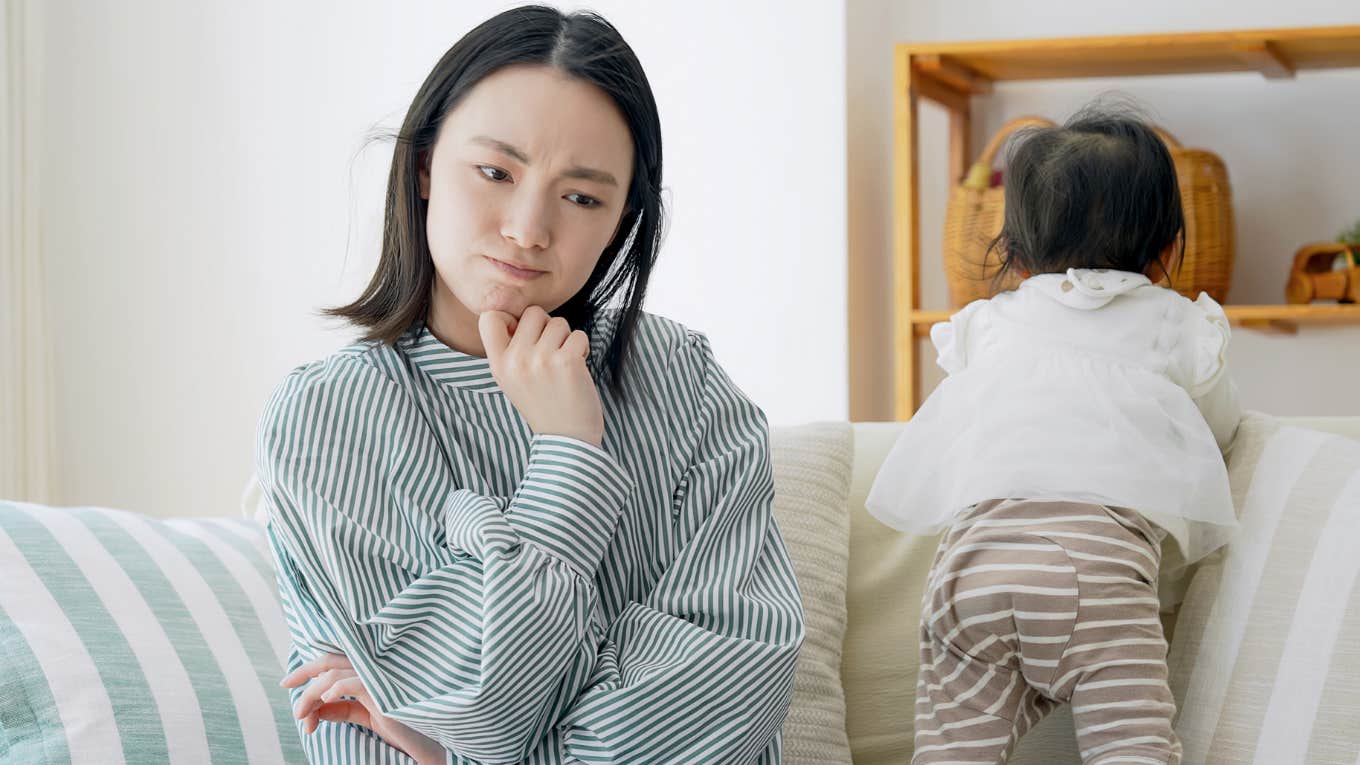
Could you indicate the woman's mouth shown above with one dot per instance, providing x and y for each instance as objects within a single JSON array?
[{"x": 518, "y": 272}]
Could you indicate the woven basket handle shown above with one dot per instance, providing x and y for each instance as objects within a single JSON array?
[
  {"x": 1167, "y": 138},
  {"x": 980, "y": 174}
]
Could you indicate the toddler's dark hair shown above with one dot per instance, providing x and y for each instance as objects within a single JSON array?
[{"x": 1098, "y": 192}]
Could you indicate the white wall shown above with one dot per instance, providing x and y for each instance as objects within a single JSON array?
[
  {"x": 1290, "y": 146},
  {"x": 205, "y": 194},
  {"x": 869, "y": 108}
]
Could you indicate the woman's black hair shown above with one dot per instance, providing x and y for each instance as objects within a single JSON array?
[
  {"x": 582, "y": 45},
  {"x": 1097, "y": 192}
]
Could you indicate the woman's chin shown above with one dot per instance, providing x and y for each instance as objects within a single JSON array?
[{"x": 508, "y": 300}]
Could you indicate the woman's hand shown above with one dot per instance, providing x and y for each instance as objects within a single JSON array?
[
  {"x": 337, "y": 694},
  {"x": 540, "y": 363}
]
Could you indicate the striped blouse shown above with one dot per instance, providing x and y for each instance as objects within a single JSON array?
[{"x": 534, "y": 598}]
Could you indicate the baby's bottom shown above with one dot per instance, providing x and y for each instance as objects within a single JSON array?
[{"x": 1031, "y": 604}]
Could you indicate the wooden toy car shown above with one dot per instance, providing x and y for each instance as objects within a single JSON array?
[{"x": 1315, "y": 276}]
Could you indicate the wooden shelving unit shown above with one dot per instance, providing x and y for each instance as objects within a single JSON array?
[
  {"x": 1284, "y": 319},
  {"x": 951, "y": 74}
]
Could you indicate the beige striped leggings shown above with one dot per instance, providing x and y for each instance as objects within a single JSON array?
[{"x": 1031, "y": 604}]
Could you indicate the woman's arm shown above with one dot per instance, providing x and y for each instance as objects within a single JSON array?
[
  {"x": 702, "y": 669},
  {"x": 468, "y": 617}
]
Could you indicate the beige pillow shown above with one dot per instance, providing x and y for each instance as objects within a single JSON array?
[
  {"x": 1265, "y": 661},
  {"x": 811, "y": 479},
  {"x": 887, "y": 572}
]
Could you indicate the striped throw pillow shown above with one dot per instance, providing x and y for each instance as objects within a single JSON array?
[
  {"x": 1265, "y": 659},
  {"x": 130, "y": 639}
]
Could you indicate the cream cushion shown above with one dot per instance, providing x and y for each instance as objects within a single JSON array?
[
  {"x": 1265, "y": 663},
  {"x": 811, "y": 479}
]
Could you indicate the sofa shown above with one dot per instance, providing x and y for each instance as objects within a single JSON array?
[{"x": 135, "y": 639}]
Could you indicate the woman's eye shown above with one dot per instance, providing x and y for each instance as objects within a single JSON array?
[
  {"x": 493, "y": 173},
  {"x": 583, "y": 200}
]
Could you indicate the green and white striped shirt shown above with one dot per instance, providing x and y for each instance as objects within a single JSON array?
[{"x": 533, "y": 598}]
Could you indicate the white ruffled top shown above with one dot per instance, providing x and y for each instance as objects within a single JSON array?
[{"x": 1091, "y": 386}]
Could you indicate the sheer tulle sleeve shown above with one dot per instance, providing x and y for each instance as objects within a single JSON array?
[
  {"x": 950, "y": 338},
  {"x": 1201, "y": 367}
]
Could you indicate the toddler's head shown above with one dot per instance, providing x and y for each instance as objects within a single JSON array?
[{"x": 1098, "y": 192}]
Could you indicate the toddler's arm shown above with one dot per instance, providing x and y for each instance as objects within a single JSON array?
[
  {"x": 1221, "y": 409},
  {"x": 1206, "y": 374}
]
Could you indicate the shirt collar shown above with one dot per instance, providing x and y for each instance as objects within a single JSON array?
[
  {"x": 463, "y": 370},
  {"x": 1086, "y": 288},
  {"x": 444, "y": 364}
]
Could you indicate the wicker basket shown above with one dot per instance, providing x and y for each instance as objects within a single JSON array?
[{"x": 974, "y": 214}]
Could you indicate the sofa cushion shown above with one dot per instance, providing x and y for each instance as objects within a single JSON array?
[
  {"x": 883, "y": 598},
  {"x": 127, "y": 638},
  {"x": 811, "y": 466},
  {"x": 1265, "y": 660}
]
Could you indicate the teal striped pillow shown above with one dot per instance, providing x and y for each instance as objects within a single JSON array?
[{"x": 131, "y": 639}]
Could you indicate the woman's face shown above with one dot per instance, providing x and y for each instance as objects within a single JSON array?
[{"x": 526, "y": 186}]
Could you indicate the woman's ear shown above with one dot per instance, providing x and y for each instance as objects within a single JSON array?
[{"x": 423, "y": 173}]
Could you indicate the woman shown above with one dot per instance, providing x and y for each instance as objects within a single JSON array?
[{"x": 520, "y": 520}]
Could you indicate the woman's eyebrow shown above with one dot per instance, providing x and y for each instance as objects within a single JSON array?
[
  {"x": 589, "y": 174},
  {"x": 578, "y": 172},
  {"x": 503, "y": 148}
]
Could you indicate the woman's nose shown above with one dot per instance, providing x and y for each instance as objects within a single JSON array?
[{"x": 526, "y": 222}]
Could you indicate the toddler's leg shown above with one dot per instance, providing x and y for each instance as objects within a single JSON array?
[
  {"x": 989, "y": 594},
  {"x": 953, "y": 726},
  {"x": 1114, "y": 671}
]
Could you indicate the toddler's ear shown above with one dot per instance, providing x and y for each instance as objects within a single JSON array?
[{"x": 1171, "y": 255}]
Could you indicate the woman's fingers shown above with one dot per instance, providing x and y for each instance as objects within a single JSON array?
[
  {"x": 577, "y": 344},
  {"x": 531, "y": 324},
  {"x": 339, "y": 695},
  {"x": 496, "y": 328},
  {"x": 535, "y": 332},
  {"x": 542, "y": 371},
  {"x": 311, "y": 698},
  {"x": 322, "y": 672},
  {"x": 339, "y": 712},
  {"x": 322, "y": 663},
  {"x": 349, "y": 686},
  {"x": 555, "y": 333}
]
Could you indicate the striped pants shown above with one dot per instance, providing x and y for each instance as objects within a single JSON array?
[{"x": 1031, "y": 604}]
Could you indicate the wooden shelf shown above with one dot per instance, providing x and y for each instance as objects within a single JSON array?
[
  {"x": 1284, "y": 319},
  {"x": 1272, "y": 52},
  {"x": 951, "y": 74}
]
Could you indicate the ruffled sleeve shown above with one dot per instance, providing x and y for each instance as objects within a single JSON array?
[
  {"x": 1204, "y": 346},
  {"x": 950, "y": 338},
  {"x": 1201, "y": 367}
]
